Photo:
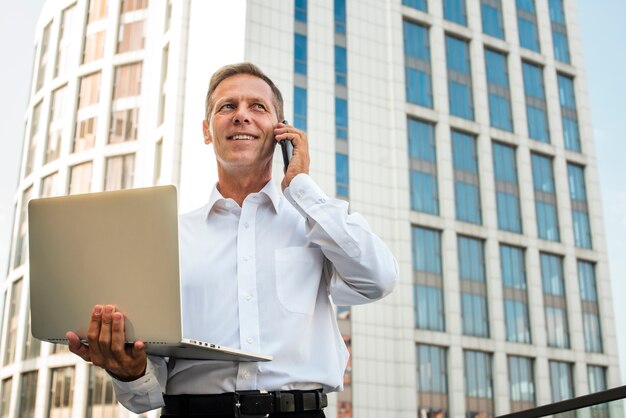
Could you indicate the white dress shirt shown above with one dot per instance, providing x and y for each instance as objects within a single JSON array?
[{"x": 258, "y": 278}]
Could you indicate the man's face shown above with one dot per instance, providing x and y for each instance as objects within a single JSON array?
[{"x": 241, "y": 123}]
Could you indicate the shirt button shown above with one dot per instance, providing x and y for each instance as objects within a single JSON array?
[
  {"x": 300, "y": 193},
  {"x": 246, "y": 225},
  {"x": 246, "y": 258},
  {"x": 250, "y": 340},
  {"x": 322, "y": 200},
  {"x": 248, "y": 296},
  {"x": 246, "y": 375}
]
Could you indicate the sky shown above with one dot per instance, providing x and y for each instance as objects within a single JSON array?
[{"x": 602, "y": 31}]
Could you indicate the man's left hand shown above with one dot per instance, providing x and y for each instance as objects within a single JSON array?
[{"x": 300, "y": 161}]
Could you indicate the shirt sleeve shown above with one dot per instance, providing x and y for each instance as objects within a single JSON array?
[
  {"x": 363, "y": 269},
  {"x": 145, "y": 393}
]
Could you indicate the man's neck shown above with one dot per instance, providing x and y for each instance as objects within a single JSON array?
[{"x": 239, "y": 186}]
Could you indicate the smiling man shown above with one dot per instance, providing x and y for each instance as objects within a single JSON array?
[{"x": 260, "y": 271}]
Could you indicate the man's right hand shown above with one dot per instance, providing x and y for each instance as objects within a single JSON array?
[{"x": 107, "y": 345}]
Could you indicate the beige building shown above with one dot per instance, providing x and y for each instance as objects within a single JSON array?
[{"x": 459, "y": 128}]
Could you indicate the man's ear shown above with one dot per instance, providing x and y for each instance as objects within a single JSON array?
[{"x": 206, "y": 132}]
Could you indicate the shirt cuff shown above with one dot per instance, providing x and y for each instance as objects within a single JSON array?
[
  {"x": 146, "y": 385},
  {"x": 303, "y": 193}
]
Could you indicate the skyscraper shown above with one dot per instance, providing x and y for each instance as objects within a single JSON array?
[{"x": 459, "y": 128}]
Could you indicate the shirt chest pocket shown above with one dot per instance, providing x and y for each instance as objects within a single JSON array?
[{"x": 298, "y": 275}]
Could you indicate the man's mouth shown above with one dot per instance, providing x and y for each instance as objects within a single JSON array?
[{"x": 241, "y": 137}]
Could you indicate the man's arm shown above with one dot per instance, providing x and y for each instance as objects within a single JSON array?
[{"x": 138, "y": 383}]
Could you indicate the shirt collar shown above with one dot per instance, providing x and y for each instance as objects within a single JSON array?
[{"x": 269, "y": 190}]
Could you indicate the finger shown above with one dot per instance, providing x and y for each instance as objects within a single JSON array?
[
  {"x": 138, "y": 350},
  {"x": 104, "y": 342},
  {"x": 93, "y": 332},
  {"x": 118, "y": 336},
  {"x": 77, "y": 347}
]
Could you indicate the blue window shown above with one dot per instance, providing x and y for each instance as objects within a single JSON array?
[
  {"x": 299, "y": 108},
  {"x": 516, "y": 323},
  {"x": 342, "y": 177},
  {"x": 527, "y": 25},
  {"x": 422, "y": 161},
  {"x": 454, "y": 11},
  {"x": 569, "y": 116},
  {"x": 431, "y": 373},
  {"x": 554, "y": 300},
  {"x": 597, "y": 383},
  {"x": 552, "y": 274},
  {"x": 340, "y": 16},
  {"x": 507, "y": 188},
  {"x": 428, "y": 280},
  {"x": 587, "y": 281},
  {"x": 535, "y": 102},
  {"x": 417, "y": 65},
  {"x": 416, "y": 4},
  {"x": 459, "y": 78},
  {"x": 478, "y": 378},
  {"x": 341, "y": 66},
  {"x": 474, "y": 302},
  {"x": 466, "y": 183},
  {"x": 559, "y": 31},
  {"x": 491, "y": 11},
  {"x": 580, "y": 211},
  {"x": 300, "y": 54},
  {"x": 515, "y": 294},
  {"x": 592, "y": 332},
  {"x": 300, "y": 7},
  {"x": 545, "y": 198},
  {"x": 341, "y": 118},
  {"x": 513, "y": 267},
  {"x": 521, "y": 382},
  {"x": 498, "y": 90},
  {"x": 561, "y": 383}
]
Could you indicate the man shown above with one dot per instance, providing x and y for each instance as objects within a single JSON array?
[{"x": 258, "y": 271}]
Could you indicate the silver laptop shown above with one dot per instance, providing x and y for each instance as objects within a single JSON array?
[{"x": 118, "y": 248}]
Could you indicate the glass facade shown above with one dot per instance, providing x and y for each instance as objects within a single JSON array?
[
  {"x": 521, "y": 383},
  {"x": 580, "y": 208},
  {"x": 536, "y": 108},
  {"x": 417, "y": 4},
  {"x": 478, "y": 384},
  {"x": 342, "y": 173},
  {"x": 428, "y": 279},
  {"x": 466, "y": 181},
  {"x": 545, "y": 198},
  {"x": 527, "y": 25},
  {"x": 561, "y": 383},
  {"x": 300, "y": 108},
  {"x": 554, "y": 300},
  {"x": 454, "y": 11},
  {"x": 507, "y": 188},
  {"x": 514, "y": 289},
  {"x": 423, "y": 167},
  {"x": 432, "y": 381},
  {"x": 498, "y": 90},
  {"x": 592, "y": 331},
  {"x": 61, "y": 393},
  {"x": 418, "y": 80},
  {"x": 474, "y": 312},
  {"x": 460, "y": 97},
  {"x": 28, "y": 395},
  {"x": 569, "y": 115},
  {"x": 559, "y": 31},
  {"x": 491, "y": 14}
]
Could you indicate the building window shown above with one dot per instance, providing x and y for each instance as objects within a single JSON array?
[
  {"x": 97, "y": 10},
  {"x": 554, "y": 300},
  {"x": 341, "y": 118},
  {"x": 127, "y": 80},
  {"x": 340, "y": 16},
  {"x": 43, "y": 56},
  {"x": 130, "y": 5},
  {"x": 124, "y": 125},
  {"x": 417, "y": 4},
  {"x": 569, "y": 115},
  {"x": 561, "y": 383},
  {"x": 454, "y": 11},
  {"x": 89, "y": 90},
  {"x": 12, "y": 323},
  {"x": 417, "y": 65},
  {"x": 164, "y": 74},
  {"x": 478, "y": 384},
  {"x": 21, "y": 243},
  {"x": 55, "y": 125},
  {"x": 80, "y": 178},
  {"x": 300, "y": 7},
  {"x": 521, "y": 383},
  {"x": 597, "y": 383},
  {"x": 466, "y": 182},
  {"x": 491, "y": 12},
  {"x": 66, "y": 38},
  {"x": 536, "y": 114},
  {"x": 35, "y": 122},
  {"x": 432, "y": 381},
  {"x": 341, "y": 66},
  {"x": 507, "y": 188},
  {"x": 61, "y": 392},
  {"x": 101, "y": 402},
  {"x": 300, "y": 52},
  {"x": 427, "y": 279},
  {"x": 473, "y": 287},
  {"x": 49, "y": 185},
  {"x": 5, "y": 398},
  {"x": 527, "y": 25},
  {"x": 85, "y": 134},
  {"x": 515, "y": 294},
  {"x": 459, "y": 78},
  {"x": 559, "y": 31},
  {"x": 545, "y": 198},
  {"x": 580, "y": 209},
  {"x": 32, "y": 346},
  {"x": 590, "y": 310},
  {"x": 94, "y": 46},
  {"x": 342, "y": 176},
  {"x": 498, "y": 90},
  {"x": 299, "y": 108},
  {"x": 131, "y": 37},
  {"x": 120, "y": 171},
  {"x": 423, "y": 167},
  {"x": 28, "y": 395}
]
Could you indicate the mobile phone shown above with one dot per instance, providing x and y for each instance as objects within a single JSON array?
[{"x": 286, "y": 147}]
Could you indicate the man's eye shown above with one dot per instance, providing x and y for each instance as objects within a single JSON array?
[
  {"x": 259, "y": 106},
  {"x": 228, "y": 106}
]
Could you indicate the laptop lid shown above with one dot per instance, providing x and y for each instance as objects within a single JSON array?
[{"x": 118, "y": 248}]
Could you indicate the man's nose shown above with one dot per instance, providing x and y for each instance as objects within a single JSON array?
[{"x": 241, "y": 115}]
